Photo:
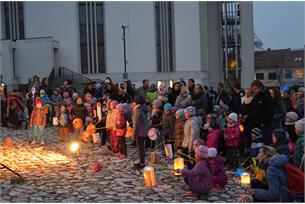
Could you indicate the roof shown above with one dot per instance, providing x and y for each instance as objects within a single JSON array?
[{"x": 284, "y": 58}]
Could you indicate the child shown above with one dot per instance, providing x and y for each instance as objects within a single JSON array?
[
  {"x": 63, "y": 120},
  {"x": 168, "y": 124},
  {"x": 257, "y": 141},
  {"x": 56, "y": 99},
  {"x": 299, "y": 145},
  {"x": 110, "y": 126},
  {"x": 121, "y": 128},
  {"x": 280, "y": 142},
  {"x": 219, "y": 175},
  {"x": 179, "y": 129},
  {"x": 199, "y": 179},
  {"x": 66, "y": 96},
  {"x": 290, "y": 120},
  {"x": 38, "y": 122},
  {"x": 214, "y": 133},
  {"x": 79, "y": 111},
  {"x": 156, "y": 121},
  {"x": 231, "y": 136}
]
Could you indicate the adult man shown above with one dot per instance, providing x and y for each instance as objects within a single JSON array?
[
  {"x": 191, "y": 86},
  {"x": 222, "y": 94},
  {"x": 236, "y": 98},
  {"x": 142, "y": 91}
]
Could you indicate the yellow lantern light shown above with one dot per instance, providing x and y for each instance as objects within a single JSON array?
[
  {"x": 153, "y": 158},
  {"x": 74, "y": 147},
  {"x": 241, "y": 128},
  {"x": 149, "y": 176},
  {"x": 245, "y": 178},
  {"x": 178, "y": 164}
]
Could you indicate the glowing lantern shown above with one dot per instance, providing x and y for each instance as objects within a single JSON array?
[
  {"x": 91, "y": 129},
  {"x": 8, "y": 142},
  {"x": 178, "y": 164},
  {"x": 149, "y": 176},
  {"x": 74, "y": 147},
  {"x": 77, "y": 123},
  {"x": 129, "y": 132},
  {"x": 153, "y": 158},
  {"x": 241, "y": 128},
  {"x": 245, "y": 178},
  {"x": 85, "y": 137}
]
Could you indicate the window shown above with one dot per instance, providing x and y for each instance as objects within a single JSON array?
[
  {"x": 13, "y": 20},
  {"x": 272, "y": 75},
  {"x": 91, "y": 25},
  {"x": 164, "y": 36},
  {"x": 260, "y": 76}
]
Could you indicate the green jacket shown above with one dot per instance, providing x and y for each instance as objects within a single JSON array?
[
  {"x": 299, "y": 152},
  {"x": 151, "y": 96}
]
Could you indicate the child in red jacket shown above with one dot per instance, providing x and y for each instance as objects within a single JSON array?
[
  {"x": 38, "y": 122},
  {"x": 231, "y": 136}
]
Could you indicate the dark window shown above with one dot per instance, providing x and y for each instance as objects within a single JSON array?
[
  {"x": 13, "y": 20},
  {"x": 260, "y": 76},
  {"x": 272, "y": 75},
  {"x": 288, "y": 73}
]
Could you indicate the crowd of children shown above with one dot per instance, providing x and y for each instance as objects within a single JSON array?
[{"x": 210, "y": 137}]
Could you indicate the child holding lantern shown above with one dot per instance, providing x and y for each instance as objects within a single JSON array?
[
  {"x": 38, "y": 122},
  {"x": 121, "y": 128},
  {"x": 63, "y": 121},
  {"x": 111, "y": 125},
  {"x": 179, "y": 129},
  {"x": 199, "y": 179},
  {"x": 168, "y": 124},
  {"x": 79, "y": 111}
]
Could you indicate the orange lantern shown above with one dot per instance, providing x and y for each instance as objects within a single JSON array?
[
  {"x": 129, "y": 132},
  {"x": 178, "y": 164},
  {"x": 77, "y": 123},
  {"x": 46, "y": 108},
  {"x": 91, "y": 129},
  {"x": 85, "y": 137},
  {"x": 241, "y": 128},
  {"x": 8, "y": 142},
  {"x": 153, "y": 158},
  {"x": 149, "y": 176},
  {"x": 245, "y": 178}
]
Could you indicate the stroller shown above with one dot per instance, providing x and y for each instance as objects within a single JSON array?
[{"x": 17, "y": 111}]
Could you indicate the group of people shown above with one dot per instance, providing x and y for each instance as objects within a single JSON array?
[{"x": 211, "y": 129}]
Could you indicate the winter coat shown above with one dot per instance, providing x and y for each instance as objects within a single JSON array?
[
  {"x": 282, "y": 145},
  {"x": 141, "y": 91},
  {"x": 224, "y": 96},
  {"x": 279, "y": 113},
  {"x": 213, "y": 138},
  {"x": 183, "y": 101},
  {"x": 111, "y": 119},
  {"x": 299, "y": 152},
  {"x": 220, "y": 177},
  {"x": 191, "y": 132},
  {"x": 179, "y": 132},
  {"x": 256, "y": 144},
  {"x": 121, "y": 125},
  {"x": 261, "y": 111},
  {"x": 200, "y": 102},
  {"x": 199, "y": 178},
  {"x": 231, "y": 135},
  {"x": 236, "y": 101},
  {"x": 140, "y": 121},
  {"x": 45, "y": 100},
  {"x": 168, "y": 126},
  {"x": 151, "y": 96},
  {"x": 38, "y": 117},
  {"x": 173, "y": 96},
  {"x": 277, "y": 181},
  {"x": 156, "y": 119}
]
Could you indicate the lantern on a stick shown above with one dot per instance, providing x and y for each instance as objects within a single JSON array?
[
  {"x": 91, "y": 129},
  {"x": 245, "y": 178},
  {"x": 85, "y": 137},
  {"x": 77, "y": 123},
  {"x": 149, "y": 176},
  {"x": 178, "y": 164}
]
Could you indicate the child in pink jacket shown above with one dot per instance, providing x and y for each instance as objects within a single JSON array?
[
  {"x": 214, "y": 134},
  {"x": 231, "y": 136}
]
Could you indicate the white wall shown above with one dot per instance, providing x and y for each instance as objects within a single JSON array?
[
  {"x": 59, "y": 20},
  {"x": 140, "y": 40},
  {"x": 187, "y": 36}
]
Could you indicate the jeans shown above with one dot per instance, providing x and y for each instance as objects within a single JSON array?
[
  {"x": 122, "y": 145},
  {"x": 38, "y": 131},
  {"x": 141, "y": 148}
]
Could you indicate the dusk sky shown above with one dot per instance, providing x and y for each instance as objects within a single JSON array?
[{"x": 279, "y": 24}]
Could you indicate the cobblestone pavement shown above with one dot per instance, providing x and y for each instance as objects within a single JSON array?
[{"x": 53, "y": 174}]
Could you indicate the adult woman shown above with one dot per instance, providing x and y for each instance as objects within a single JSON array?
[
  {"x": 184, "y": 99},
  {"x": 275, "y": 177},
  {"x": 279, "y": 110},
  {"x": 174, "y": 94},
  {"x": 200, "y": 100}
]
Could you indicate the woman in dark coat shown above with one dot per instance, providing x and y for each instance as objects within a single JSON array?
[
  {"x": 279, "y": 110},
  {"x": 174, "y": 94}
]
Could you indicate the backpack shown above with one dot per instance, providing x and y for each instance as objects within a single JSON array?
[{"x": 295, "y": 179}]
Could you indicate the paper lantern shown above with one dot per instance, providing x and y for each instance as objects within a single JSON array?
[
  {"x": 241, "y": 128},
  {"x": 8, "y": 142},
  {"x": 77, "y": 123},
  {"x": 153, "y": 158},
  {"x": 129, "y": 132},
  {"x": 55, "y": 121},
  {"x": 74, "y": 147},
  {"x": 169, "y": 151},
  {"x": 178, "y": 164},
  {"x": 149, "y": 176},
  {"x": 245, "y": 178},
  {"x": 91, "y": 129},
  {"x": 96, "y": 138},
  {"x": 85, "y": 137}
]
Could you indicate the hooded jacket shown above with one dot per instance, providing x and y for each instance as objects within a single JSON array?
[
  {"x": 277, "y": 181},
  {"x": 220, "y": 177},
  {"x": 140, "y": 122},
  {"x": 282, "y": 145},
  {"x": 213, "y": 138},
  {"x": 231, "y": 135},
  {"x": 191, "y": 132},
  {"x": 183, "y": 101},
  {"x": 179, "y": 132}
]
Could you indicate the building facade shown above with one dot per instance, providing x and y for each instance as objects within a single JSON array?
[
  {"x": 163, "y": 41},
  {"x": 276, "y": 68}
]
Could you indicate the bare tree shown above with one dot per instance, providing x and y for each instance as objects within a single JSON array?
[{"x": 258, "y": 43}]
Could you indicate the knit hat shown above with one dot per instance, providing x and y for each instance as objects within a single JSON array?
[
  {"x": 197, "y": 143},
  {"x": 168, "y": 106},
  {"x": 180, "y": 112},
  {"x": 233, "y": 116},
  {"x": 157, "y": 102},
  {"x": 270, "y": 151},
  {"x": 212, "y": 152},
  {"x": 182, "y": 83},
  {"x": 202, "y": 151},
  {"x": 66, "y": 94},
  {"x": 299, "y": 125},
  {"x": 291, "y": 118},
  {"x": 75, "y": 95},
  {"x": 42, "y": 92},
  {"x": 191, "y": 110},
  {"x": 38, "y": 101},
  {"x": 256, "y": 131}
]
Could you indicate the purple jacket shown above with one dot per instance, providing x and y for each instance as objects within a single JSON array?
[
  {"x": 199, "y": 178},
  {"x": 220, "y": 177},
  {"x": 213, "y": 138}
]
